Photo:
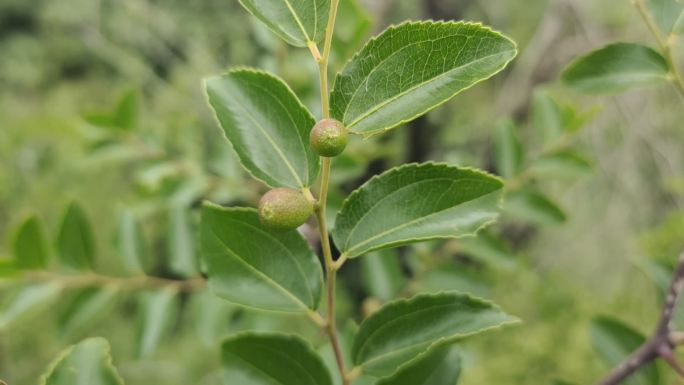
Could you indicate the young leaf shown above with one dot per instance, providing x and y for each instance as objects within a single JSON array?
[
  {"x": 667, "y": 14},
  {"x": 267, "y": 126},
  {"x": 534, "y": 207},
  {"x": 298, "y": 22},
  {"x": 27, "y": 301},
  {"x": 403, "y": 329},
  {"x": 88, "y": 305},
  {"x": 412, "y": 68},
  {"x": 158, "y": 311},
  {"x": 614, "y": 341},
  {"x": 75, "y": 242},
  {"x": 130, "y": 243},
  {"x": 252, "y": 266},
  {"x": 31, "y": 250},
  {"x": 181, "y": 242},
  {"x": 87, "y": 363},
  {"x": 509, "y": 150},
  {"x": 382, "y": 275},
  {"x": 268, "y": 359},
  {"x": 414, "y": 203},
  {"x": 616, "y": 67},
  {"x": 442, "y": 366}
]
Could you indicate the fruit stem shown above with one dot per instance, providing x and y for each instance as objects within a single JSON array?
[{"x": 331, "y": 328}]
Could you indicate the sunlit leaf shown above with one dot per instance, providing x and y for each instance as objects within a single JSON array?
[
  {"x": 29, "y": 300},
  {"x": 414, "y": 203},
  {"x": 412, "y": 68},
  {"x": 295, "y": 21}
]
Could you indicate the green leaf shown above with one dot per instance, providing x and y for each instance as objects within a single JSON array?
[
  {"x": 547, "y": 117},
  {"x": 31, "y": 249},
  {"x": 210, "y": 317},
  {"x": 86, "y": 307},
  {"x": 255, "y": 267},
  {"x": 75, "y": 242},
  {"x": 124, "y": 117},
  {"x": 616, "y": 67},
  {"x": 130, "y": 242},
  {"x": 29, "y": 300},
  {"x": 489, "y": 249},
  {"x": 298, "y": 22},
  {"x": 382, "y": 275},
  {"x": 509, "y": 151},
  {"x": 534, "y": 207},
  {"x": 614, "y": 341},
  {"x": 566, "y": 163},
  {"x": 269, "y": 359},
  {"x": 667, "y": 14},
  {"x": 403, "y": 329},
  {"x": 87, "y": 363},
  {"x": 453, "y": 278},
  {"x": 442, "y": 366},
  {"x": 158, "y": 312},
  {"x": 414, "y": 203},
  {"x": 412, "y": 68},
  {"x": 182, "y": 242},
  {"x": 267, "y": 126}
]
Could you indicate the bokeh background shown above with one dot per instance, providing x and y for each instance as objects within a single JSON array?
[{"x": 101, "y": 103}]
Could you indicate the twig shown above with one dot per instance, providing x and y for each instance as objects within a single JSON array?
[{"x": 663, "y": 341}]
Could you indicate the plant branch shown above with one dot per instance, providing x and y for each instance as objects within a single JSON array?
[
  {"x": 138, "y": 282},
  {"x": 330, "y": 265},
  {"x": 665, "y": 45},
  {"x": 662, "y": 342}
]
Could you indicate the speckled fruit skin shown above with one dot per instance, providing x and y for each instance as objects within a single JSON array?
[
  {"x": 328, "y": 138},
  {"x": 284, "y": 209}
]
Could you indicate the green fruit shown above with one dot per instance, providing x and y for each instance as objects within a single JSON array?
[
  {"x": 328, "y": 138},
  {"x": 284, "y": 209}
]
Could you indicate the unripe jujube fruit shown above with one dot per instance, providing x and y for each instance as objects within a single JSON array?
[
  {"x": 284, "y": 209},
  {"x": 328, "y": 138}
]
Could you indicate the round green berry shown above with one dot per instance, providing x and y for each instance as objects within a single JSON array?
[
  {"x": 328, "y": 138},
  {"x": 284, "y": 209}
]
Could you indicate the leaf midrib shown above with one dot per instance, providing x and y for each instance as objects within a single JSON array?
[
  {"x": 299, "y": 22},
  {"x": 411, "y": 222},
  {"x": 272, "y": 142},
  {"x": 403, "y": 93}
]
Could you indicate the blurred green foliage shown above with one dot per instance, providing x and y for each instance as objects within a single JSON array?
[{"x": 101, "y": 104}]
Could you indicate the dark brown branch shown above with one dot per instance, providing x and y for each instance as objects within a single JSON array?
[{"x": 662, "y": 343}]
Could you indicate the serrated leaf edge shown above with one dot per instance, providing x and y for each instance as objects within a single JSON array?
[
  {"x": 247, "y": 69},
  {"x": 419, "y": 165},
  {"x": 108, "y": 361},
  {"x": 392, "y": 27},
  {"x": 444, "y": 340},
  {"x": 304, "y": 307}
]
